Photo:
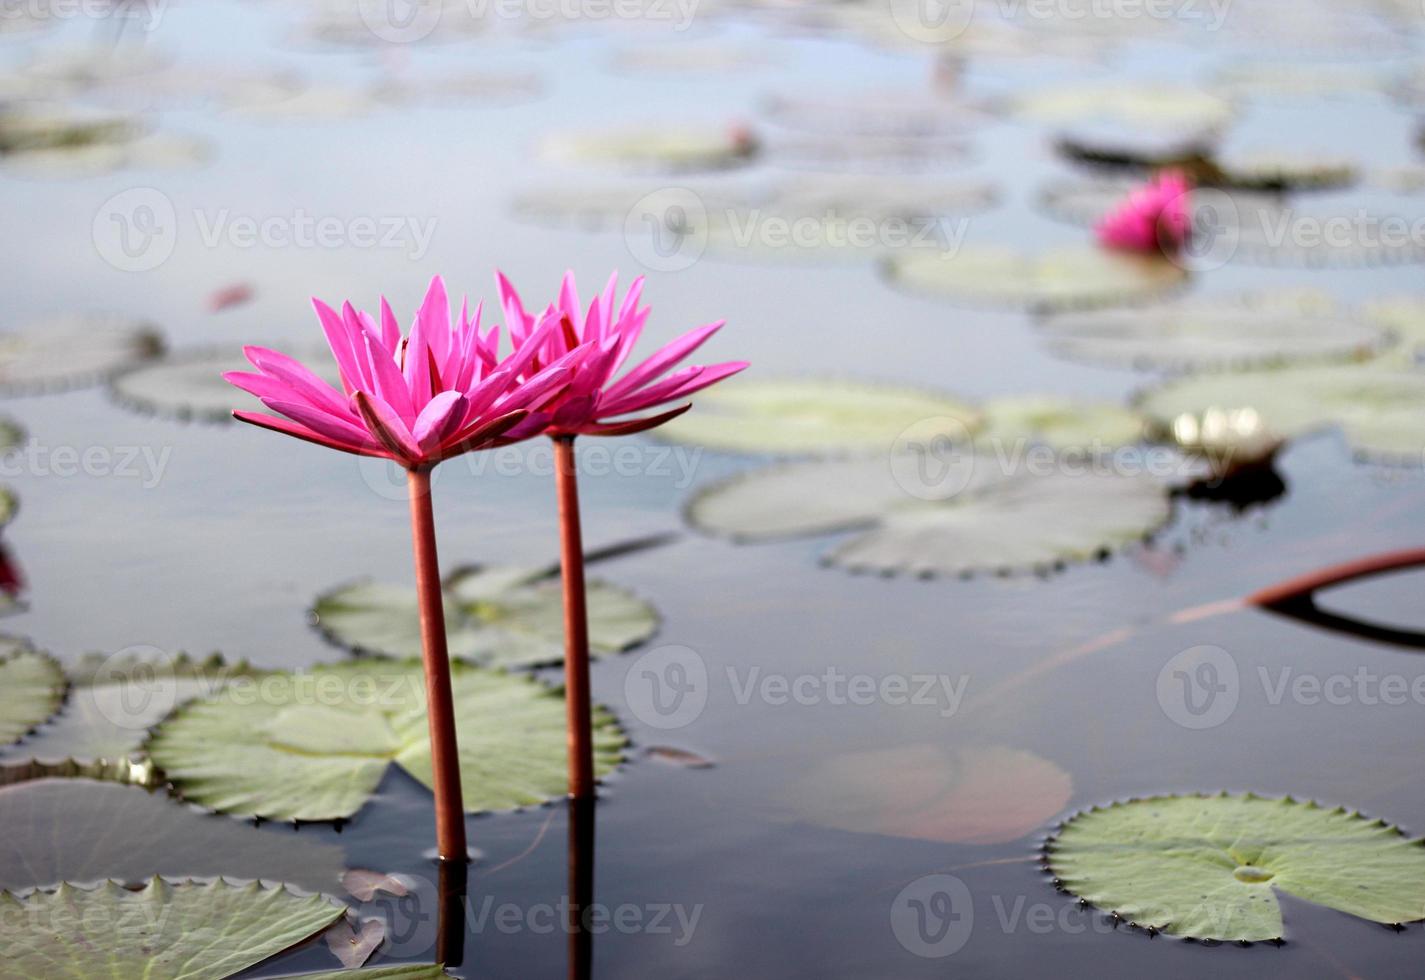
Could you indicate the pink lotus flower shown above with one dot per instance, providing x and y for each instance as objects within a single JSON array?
[
  {"x": 1154, "y": 218},
  {"x": 436, "y": 393},
  {"x": 606, "y": 334}
]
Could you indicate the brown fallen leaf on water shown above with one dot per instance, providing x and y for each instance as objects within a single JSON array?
[
  {"x": 355, "y": 948},
  {"x": 987, "y": 794},
  {"x": 364, "y": 885},
  {"x": 235, "y": 295},
  {"x": 679, "y": 757}
]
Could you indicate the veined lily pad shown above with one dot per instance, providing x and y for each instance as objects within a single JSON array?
[
  {"x": 1145, "y": 106},
  {"x": 495, "y": 617},
  {"x": 72, "y": 351},
  {"x": 1379, "y": 405},
  {"x": 812, "y": 417},
  {"x": 676, "y": 149},
  {"x": 32, "y": 687},
  {"x": 1212, "y": 333},
  {"x": 1210, "y": 867},
  {"x": 941, "y": 513},
  {"x": 1069, "y": 426},
  {"x": 1069, "y": 278},
  {"x": 972, "y": 795},
  {"x": 315, "y": 745},
  {"x": 76, "y": 830},
  {"x": 183, "y": 931},
  {"x": 190, "y": 385},
  {"x": 112, "y": 704}
]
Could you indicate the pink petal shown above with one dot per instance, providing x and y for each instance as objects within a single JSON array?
[
  {"x": 663, "y": 359},
  {"x": 341, "y": 345},
  {"x": 319, "y": 422},
  {"x": 633, "y": 426},
  {"x": 390, "y": 329},
  {"x": 289, "y": 428},
  {"x": 388, "y": 381},
  {"x": 439, "y": 419},
  {"x": 386, "y": 426},
  {"x": 297, "y": 377}
]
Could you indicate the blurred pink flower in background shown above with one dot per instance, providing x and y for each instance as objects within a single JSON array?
[
  {"x": 436, "y": 393},
  {"x": 1153, "y": 218},
  {"x": 607, "y": 331}
]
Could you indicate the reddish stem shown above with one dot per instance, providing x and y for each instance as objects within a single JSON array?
[
  {"x": 1304, "y": 585},
  {"x": 440, "y": 703},
  {"x": 576, "y": 622}
]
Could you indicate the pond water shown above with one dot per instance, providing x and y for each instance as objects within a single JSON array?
[{"x": 206, "y": 537}]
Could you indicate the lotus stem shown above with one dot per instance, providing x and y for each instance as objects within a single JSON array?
[
  {"x": 440, "y": 703},
  {"x": 576, "y": 622},
  {"x": 1304, "y": 585},
  {"x": 581, "y": 888}
]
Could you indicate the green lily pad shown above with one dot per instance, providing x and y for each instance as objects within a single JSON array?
[
  {"x": 189, "y": 385},
  {"x": 1379, "y": 405},
  {"x": 32, "y": 687},
  {"x": 315, "y": 745},
  {"x": 971, "y": 795},
  {"x": 1144, "y": 106},
  {"x": 12, "y": 435},
  {"x": 9, "y": 507},
  {"x": 164, "y": 931},
  {"x": 1210, "y": 867},
  {"x": 1069, "y": 278},
  {"x": 1069, "y": 426},
  {"x": 112, "y": 704},
  {"x": 941, "y": 513},
  {"x": 414, "y": 971},
  {"x": 667, "y": 149},
  {"x": 1404, "y": 317},
  {"x": 67, "y": 352},
  {"x": 1214, "y": 333},
  {"x": 81, "y": 831},
  {"x": 494, "y": 617},
  {"x": 814, "y": 417}
]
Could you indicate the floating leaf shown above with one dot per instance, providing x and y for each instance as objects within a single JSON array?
[
  {"x": 1379, "y": 405},
  {"x": 363, "y": 885},
  {"x": 414, "y": 971},
  {"x": 972, "y": 795},
  {"x": 1210, "y": 867},
  {"x": 811, "y": 417},
  {"x": 678, "y": 757},
  {"x": 1118, "y": 146},
  {"x": 1214, "y": 333},
  {"x": 495, "y": 617},
  {"x": 941, "y": 514},
  {"x": 315, "y": 745},
  {"x": 9, "y": 507},
  {"x": 32, "y": 687},
  {"x": 77, "y": 830},
  {"x": 1404, "y": 317},
  {"x": 112, "y": 704},
  {"x": 355, "y": 948},
  {"x": 671, "y": 149},
  {"x": 1067, "y": 278},
  {"x": 1069, "y": 426},
  {"x": 164, "y": 931},
  {"x": 1143, "y": 106},
  {"x": 72, "y": 351},
  {"x": 189, "y": 385}
]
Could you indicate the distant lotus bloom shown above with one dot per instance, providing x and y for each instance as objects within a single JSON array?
[
  {"x": 597, "y": 402},
  {"x": 1154, "y": 217},
  {"x": 608, "y": 330},
  {"x": 437, "y": 392},
  {"x": 417, "y": 399}
]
